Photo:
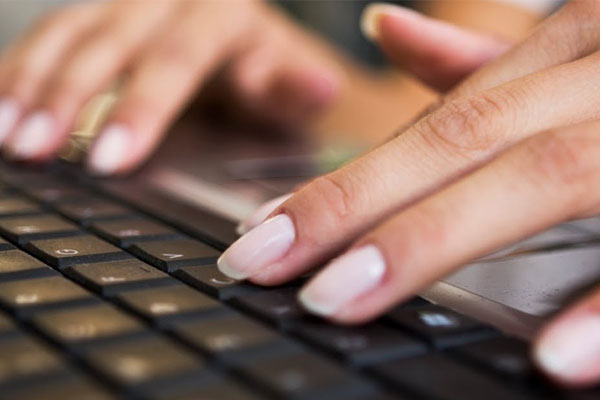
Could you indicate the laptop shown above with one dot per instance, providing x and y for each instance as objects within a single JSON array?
[{"x": 109, "y": 290}]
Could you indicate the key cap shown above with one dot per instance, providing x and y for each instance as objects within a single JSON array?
[
  {"x": 113, "y": 277},
  {"x": 210, "y": 280},
  {"x": 507, "y": 356},
  {"x": 87, "y": 324},
  {"x": 437, "y": 377},
  {"x": 44, "y": 226},
  {"x": 63, "y": 252},
  {"x": 227, "y": 337},
  {"x": 31, "y": 295},
  {"x": 151, "y": 360},
  {"x": 360, "y": 345},
  {"x": 69, "y": 387},
  {"x": 15, "y": 264},
  {"x": 92, "y": 209},
  {"x": 219, "y": 388},
  {"x": 169, "y": 255},
  {"x": 277, "y": 306},
  {"x": 17, "y": 205},
  {"x": 24, "y": 358},
  {"x": 303, "y": 376},
  {"x": 7, "y": 327},
  {"x": 167, "y": 304},
  {"x": 125, "y": 232},
  {"x": 441, "y": 327}
]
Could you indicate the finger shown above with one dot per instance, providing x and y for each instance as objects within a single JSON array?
[
  {"x": 568, "y": 349},
  {"x": 438, "y": 53},
  {"x": 128, "y": 27},
  {"x": 461, "y": 135},
  {"x": 394, "y": 261},
  {"x": 30, "y": 62},
  {"x": 163, "y": 81}
]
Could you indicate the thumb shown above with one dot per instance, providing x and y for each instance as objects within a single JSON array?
[{"x": 438, "y": 53}]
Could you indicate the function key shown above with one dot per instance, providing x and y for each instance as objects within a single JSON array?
[
  {"x": 228, "y": 336},
  {"x": 360, "y": 345},
  {"x": 304, "y": 375},
  {"x": 439, "y": 326},
  {"x": 437, "y": 377},
  {"x": 30, "y": 295},
  {"x": 87, "y": 324},
  {"x": 92, "y": 209},
  {"x": 145, "y": 361},
  {"x": 277, "y": 306},
  {"x": 125, "y": 232},
  {"x": 169, "y": 303},
  {"x": 16, "y": 205},
  {"x": 113, "y": 277},
  {"x": 23, "y": 229},
  {"x": 210, "y": 280},
  {"x": 63, "y": 252},
  {"x": 25, "y": 359},
  {"x": 15, "y": 264},
  {"x": 169, "y": 255}
]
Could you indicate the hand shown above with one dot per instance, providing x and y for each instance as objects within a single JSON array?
[
  {"x": 509, "y": 152},
  {"x": 163, "y": 51}
]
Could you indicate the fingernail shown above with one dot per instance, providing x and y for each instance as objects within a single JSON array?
[
  {"x": 259, "y": 248},
  {"x": 344, "y": 280},
  {"x": 9, "y": 114},
  {"x": 31, "y": 136},
  {"x": 260, "y": 214},
  {"x": 371, "y": 15},
  {"x": 571, "y": 348},
  {"x": 109, "y": 150}
]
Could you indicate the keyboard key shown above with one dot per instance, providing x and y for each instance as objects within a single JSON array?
[
  {"x": 23, "y": 358},
  {"x": 437, "y": 377},
  {"x": 507, "y": 356},
  {"x": 125, "y": 232},
  {"x": 92, "y": 209},
  {"x": 7, "y": 327},
  {"x": 149, "y": 360},
  {"x": 113, "y": 277},
  {"x": 210, "y": 280},
  {"x": 54, "y": 192},
  {"x": 63, "y": 252},
  {"x": 171, "y": 254},
  {"x": 228, "y": 336},
  {"x": 303, "y": 376},
  {"x": 169, "y": 303},
  {"x": 87, "y": 324},
  {"x": 15, "y": 264},
  {"x": 439, "y": 326},
  {"x": 16, "y": 205},
  {"x": 277, "y": 306},
  {"x": 360, "y": 345},
  {"x": 221, "y": 389},
  {"x": 68, "y": 387},
  {"x": 45, "y": 226},
  {"x": 27, "y": 296}
]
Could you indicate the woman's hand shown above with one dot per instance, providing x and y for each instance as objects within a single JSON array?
[
  {"x": 162, "y": 51},
  {"x": 509, "y": 152}
]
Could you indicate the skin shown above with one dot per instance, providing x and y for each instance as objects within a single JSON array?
[{"x": 518, "y": 132}]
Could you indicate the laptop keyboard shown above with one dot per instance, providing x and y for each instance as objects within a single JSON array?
[{"x": 100, "y": 300}]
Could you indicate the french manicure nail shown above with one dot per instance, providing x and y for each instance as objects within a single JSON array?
[
  {"x": 344, "y": 280},
  {"x": 259, "y": 248},
  {"x": 570, "y": 349},
  {"x": 31, "y": 136},
  {"x": 369, "y": 20},
  {"x": 109, "y": 150},
  {"x": 9, "y": 114},
  {"x": 260, "y": 214}
]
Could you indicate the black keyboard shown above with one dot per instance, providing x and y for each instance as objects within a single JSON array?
[{"x": 101, "y": 300}]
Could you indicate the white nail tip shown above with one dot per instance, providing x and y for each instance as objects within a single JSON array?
[
  {"x": 110, "y": 149},
  {"x": 343, "y": 281},
  {"x": 32, "y": 136},
  {"x": 369, "y": 20},
  {"x": 230, "y": 272},
  {"x": 9, "y": 114}
]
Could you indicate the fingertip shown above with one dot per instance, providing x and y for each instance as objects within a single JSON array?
[
  {"x": 109, "y": 151},
  {"x": 32, "y": 137},
  {"x": 372, "y": 14},
  {"x": 9, "y": 115}
]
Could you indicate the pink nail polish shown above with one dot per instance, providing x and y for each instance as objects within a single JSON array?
[
  {"x": 344, "y": 280},
  {"x": 259, "y": 248},
  {"x": 109, "y": 150},
  {"x": 261, "y": 213},
  {"x": 32, "y": 136}
]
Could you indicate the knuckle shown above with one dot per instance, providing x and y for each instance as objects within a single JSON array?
[
  {"x": 176, "y": 51},
  {"x": 337, "y": 193},
  {"x": 468, "y": 126}
]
